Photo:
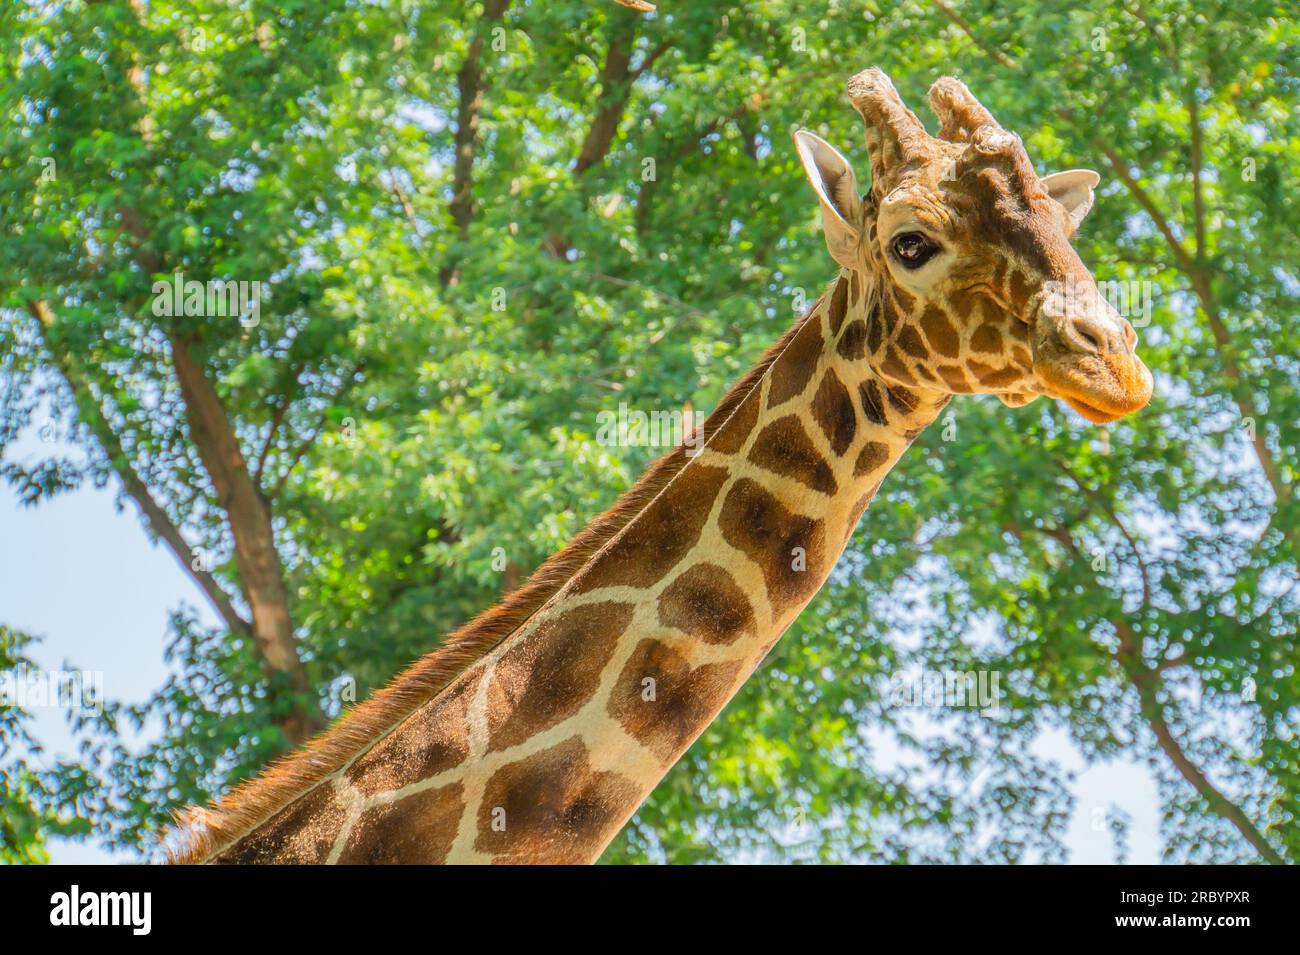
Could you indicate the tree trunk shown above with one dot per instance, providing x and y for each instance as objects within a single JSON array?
[{"x": 256, "y": 556}]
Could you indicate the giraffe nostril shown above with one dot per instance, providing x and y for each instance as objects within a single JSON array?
[{"x": 1086, "y": 334}]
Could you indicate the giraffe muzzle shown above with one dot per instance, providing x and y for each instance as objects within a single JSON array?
[{"x": 1087, "y": 358}]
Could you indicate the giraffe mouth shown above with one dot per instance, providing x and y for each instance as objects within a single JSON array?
[
  {"x": 1092, "y": 412},
  {"x": 1102, "y": 389}
]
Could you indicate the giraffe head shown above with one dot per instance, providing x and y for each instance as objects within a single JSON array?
[{"x": 978, "y": 289}]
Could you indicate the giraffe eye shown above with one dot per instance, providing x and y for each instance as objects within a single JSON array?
[{"x": 913, "y": 249}]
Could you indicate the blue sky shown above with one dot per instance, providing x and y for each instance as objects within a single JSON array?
[{"x": 83, "y": 576}]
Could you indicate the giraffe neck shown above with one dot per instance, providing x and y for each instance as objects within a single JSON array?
[{"x": 544, "y": 748}]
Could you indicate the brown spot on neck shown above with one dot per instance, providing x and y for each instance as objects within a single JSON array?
[
  {"x": 418, "y": 829},
  {"x": 902, "y": 399},
  {"x": 955, "y": 378},
  {"x": 986, "y": 339},
  {"x": 833, "y": 409},
  {"x": 852, "y": 345},
  {"x": 839, "y": 305},
  {"x": 896, "y": 367},
  {"x": 706, "y": 602},
  {"x": 910, "y": 341},
  {"x": 663, "y": 702},
  {"x": 733, "y": 435},
  {"x": 995, "y": 377},
  {"x": 552, "y": 808},
  {"x": 860, "y": 508},
  {"x": 552, "y": 672},
  {"x": 875, "y": 328},
  {"x": 300, "y": 834},
  {"x": 795, "y": 367},
  {"x": 661, "y": 535},
  {"x": 787, "y": 546},
  {"x": 783, "y": 447},
  {"x": 433, "y": 739},
  {"x": 872, "y": 456},
  {"x": 872, "y": 405}
]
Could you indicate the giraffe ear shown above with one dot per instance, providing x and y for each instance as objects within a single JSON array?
[
  {"x": 1073, "y": 189},
  {"x": 837, "y": 190}
]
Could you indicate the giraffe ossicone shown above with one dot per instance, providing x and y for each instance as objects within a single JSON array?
[{"x": 537, "y": 730}]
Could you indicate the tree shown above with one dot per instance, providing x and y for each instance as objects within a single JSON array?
[
  {"x": 477, "y": 228},
  {"x": 35, "y": 803}
]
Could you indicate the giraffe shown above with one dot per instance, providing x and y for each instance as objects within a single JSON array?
[{"x": 537, "y": 730}]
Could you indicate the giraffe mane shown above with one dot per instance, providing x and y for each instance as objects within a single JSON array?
[{"x": 202, "y": 831}]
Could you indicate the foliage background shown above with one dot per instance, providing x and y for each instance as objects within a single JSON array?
[{"x": 466, "y": 260}]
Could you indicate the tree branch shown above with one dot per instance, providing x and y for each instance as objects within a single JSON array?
[
  {"x": 682, "y": 306},
  {"x": 408, "y": 210},
  {"x": 1097, "y": 498},
  {"x": 649, "y": 59},
  {"x": 1171, "y": 663},
  {"x": 1198, "y": 193},
  {"x": 965, "y": 27},
  {"x": 1203, "y": 288},
  {"x": 615, "y": 90},
  {"x": 469, "y": 106},
  {"x": 92, "y": 415},
  {"x": 277, "y": 418},
  {"x": 1146, "y": 681},
  {"x": 247, "y": 512},
  {"x": 1153, "y": 211},
  {"x": 680, "y": 150},
  {"x": 249, "y": 516},
  {"x": 307, "y": 442}
]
